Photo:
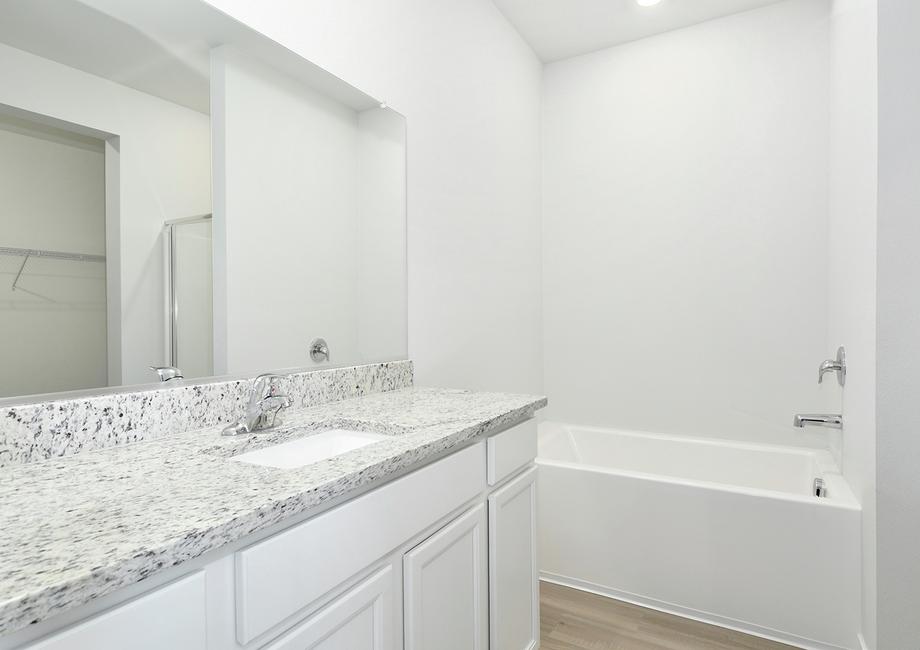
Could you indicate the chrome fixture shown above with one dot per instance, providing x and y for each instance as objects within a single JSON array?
[
  {"x": 838, "y": 365},
  {"x": 167, "y": 373},
  {"x": 319, "y": 350},
  {"x": 263, "y": 408},
  {"x": 820, "y": 489},
  {"x": 830, "y": 421}
]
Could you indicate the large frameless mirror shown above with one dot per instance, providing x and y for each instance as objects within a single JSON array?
[{"x": 183, "y": 196}]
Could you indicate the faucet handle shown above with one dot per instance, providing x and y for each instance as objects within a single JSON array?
[
  {"x": 838, "y": 365},
  {"x": 262, "y": 385},
  {"x": 319, "y": 350}
]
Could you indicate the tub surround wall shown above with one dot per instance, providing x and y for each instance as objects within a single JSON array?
[
  {"x": 98, "y": 522},
  {"x": 58, "y": 428},
  {"x": 685, "y": 228}
]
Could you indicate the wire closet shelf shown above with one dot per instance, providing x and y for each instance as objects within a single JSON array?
[
  {"x": 37, "y": 253},
  {"x": 56, "y": 255}
]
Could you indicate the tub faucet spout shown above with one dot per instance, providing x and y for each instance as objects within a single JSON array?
[{"x": 830, "y": 421}]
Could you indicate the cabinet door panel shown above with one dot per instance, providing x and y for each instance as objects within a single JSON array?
[
  {"x": 364, "y": 618},
  {"x": 445, "y": 587},
  {"x": 514, "y": 603}
]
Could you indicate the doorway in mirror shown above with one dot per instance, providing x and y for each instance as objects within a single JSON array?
[{"x": 52, "y": 258}]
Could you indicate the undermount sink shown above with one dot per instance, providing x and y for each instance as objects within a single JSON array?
[{"x": 310, "y": 449}]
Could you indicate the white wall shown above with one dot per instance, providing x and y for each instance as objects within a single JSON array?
[
  {"x": 383, "y": 310},
  {"x": 286, "y": 219},
  {"x": 310, "y": 222},
  {"x": 53, "y": 188},
  {"x": 685, "y": 228},
  {"x": 470, "y": 89},
  {"x": 164, "y": 159},
  {"x": 852, "y": 236},
  {"x": 898, "y": 326}
]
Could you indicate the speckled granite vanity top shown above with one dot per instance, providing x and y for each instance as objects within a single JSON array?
[{"x": 75, "y": 528}]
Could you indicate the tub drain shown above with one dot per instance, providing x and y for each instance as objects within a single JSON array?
[{"x": 820, "y": 489}]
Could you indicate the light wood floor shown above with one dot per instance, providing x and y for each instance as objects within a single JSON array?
[{"x": 576, "y": 620}]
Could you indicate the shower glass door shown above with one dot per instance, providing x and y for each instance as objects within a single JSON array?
[{"x": 189, "y": 296}]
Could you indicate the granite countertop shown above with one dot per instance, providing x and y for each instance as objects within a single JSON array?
[{"x": 75, "y": 528}]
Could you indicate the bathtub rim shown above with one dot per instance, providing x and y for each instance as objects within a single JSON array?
[
  {"x": 840, "y": 494},
  {"x": 836, "y": 485},
  {"x": 826, "y": 457}
]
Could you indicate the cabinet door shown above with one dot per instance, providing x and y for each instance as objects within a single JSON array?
[
  {"x": 445, "y": 590},
  {"x": 514, "y": 601},
  {"x": 364, "y": 618}
]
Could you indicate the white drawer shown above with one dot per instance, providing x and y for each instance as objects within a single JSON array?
[
  {"x": 172, "y": 617},
  {"x": 511, "y": 450},
  {"x": 290, "y": 572}
]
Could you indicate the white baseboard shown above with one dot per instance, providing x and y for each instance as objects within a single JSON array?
[{"x": 703, "y": 617}]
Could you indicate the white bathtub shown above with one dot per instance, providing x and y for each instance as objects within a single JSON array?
[{"x": 729, "y": 533}]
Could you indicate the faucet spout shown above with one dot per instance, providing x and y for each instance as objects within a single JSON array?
[
  {"x": 829, "y": 421},
  {"x": 167, "y": 373}
]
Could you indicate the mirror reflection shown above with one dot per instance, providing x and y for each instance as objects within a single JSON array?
[{"x": 184, "y": 197}]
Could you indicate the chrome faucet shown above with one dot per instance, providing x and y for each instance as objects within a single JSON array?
[
  {"x": 263, "y": 407},
  {"x": 838, "y": 365},
  {"x": 167, "y": 373},
  {"x": 319, "y": 350},
  {"x": 832, "y": 421},
  {"x": 829, "y": 421}
]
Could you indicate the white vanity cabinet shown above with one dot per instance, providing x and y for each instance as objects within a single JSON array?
[
  {"x": 473, "y": 584},
  {"x": 286, "y": 576},
  {"x": 442, "y": 558}
]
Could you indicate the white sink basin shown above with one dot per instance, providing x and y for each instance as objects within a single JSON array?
[{"x": 311, "y": 448}]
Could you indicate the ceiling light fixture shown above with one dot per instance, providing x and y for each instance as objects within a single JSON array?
[{"x": 647, "y": 3}]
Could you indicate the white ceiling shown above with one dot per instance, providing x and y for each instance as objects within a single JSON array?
[{"x": 558, "y": 29}]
